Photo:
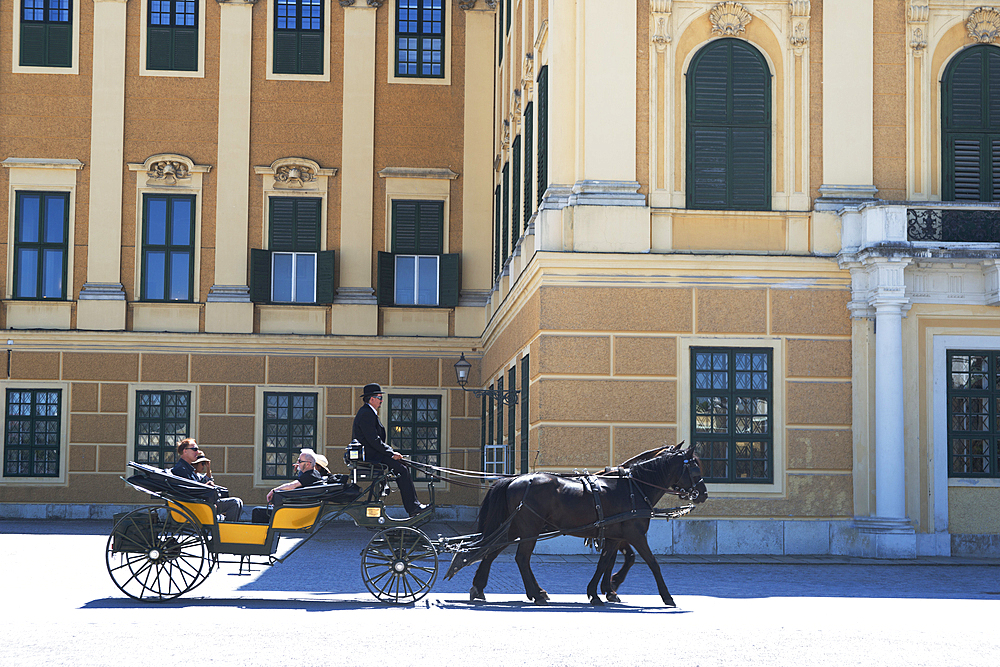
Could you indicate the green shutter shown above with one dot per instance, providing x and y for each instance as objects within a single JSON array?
[
  {"x": 185, "y": 49},
  {"x": 964, "y": 153},
  {"x": 404, "y": 227},
  {"x": 158, "y": 48},
  {"x": 505, "y": 219},
  {"x": 286, "y": 48},
  {"x": 260, "y": 275},
  {"x": 496, "y": 233},
  {"x": 386, "y": 279},
  {"x": 528, "y": 165},
  {"x": 515, "y": 195},
  {"x": 449, "y": 280},
  {"x": 430, "y": 227},
  {"x": 709, "y": 151},
  {"x": 971, "y": 126},
  {"x": 282, "y": 226},
  {"x": 59, "y": 49},
  {"x": 543, "y": 133},
  {"x": 311, "y": 52},
  {"x": 324, "y": 276},
  {"x": 307, "y": 223},
  {"x": 32, "y": 45}
]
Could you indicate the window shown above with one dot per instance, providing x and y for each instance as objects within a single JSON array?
[
  {"x": 167, "y": 248},
  {"x": 415, "y": 428},
  {"x": 971, "y": 132},
  {"x": 293, "y": 269},
  {"x": 298, "y": 37},
  {"x": 525, "y": 385},
  {"x": 543, "y": 133},
  {"x": 503, "y": 449},
  {"x": 31, "y": 447},
  {"x": 497, "y": 231},
  {"x": 289, "y": 425},
  {"x": 46, "y": 33},
  {"x": 729, "y": 128},
  {"x": 505, "y": 217},
  {"x": 528, "y": 165},
  {"x": 972, "y": 413},
  {"x": 162, "y": 420},
  {"x": 417, "y": 272},
  {"x": 731, "y": 414},
  {"x": 420, "y": 38},
  {"x": 494, "y": 451},
  {"x": 172, "y": 35},
  {"x": 41, "y": 245},
  {"x": 515, "y": 194},
  {"x": 511, "y": 422}
]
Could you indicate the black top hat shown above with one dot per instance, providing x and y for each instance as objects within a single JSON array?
[{"x": 371, "y": 390}]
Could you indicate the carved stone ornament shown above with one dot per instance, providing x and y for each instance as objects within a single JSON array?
[
  {"x": 168, "y": 172},
  {"x": 661, "y": 37},
  {"x": 918, "y": 42},
  {"x": 660, "y": 6},
  {"x": 729, "y": 18},
  {"x": 919, "y": 11},
  {"x": 799, "y": 35},
  {"x": 371, "y": 3},
  {"x": 984, "y": 25},
  {"x": 293, "y": 175},
  {"x": 466, "y": 4}
]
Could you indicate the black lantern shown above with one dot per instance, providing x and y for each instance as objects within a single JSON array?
[{"x": 508, "y": 397}]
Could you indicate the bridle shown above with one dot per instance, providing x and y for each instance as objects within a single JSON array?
[{"x": 691, "y": 468}]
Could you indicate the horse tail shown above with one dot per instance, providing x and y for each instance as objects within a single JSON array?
[{"x": 493, "y": 512}]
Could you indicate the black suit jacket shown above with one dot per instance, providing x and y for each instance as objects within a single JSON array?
[{"x": 368, "y": 430}]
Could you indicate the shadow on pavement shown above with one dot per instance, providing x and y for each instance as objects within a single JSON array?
[{"x": 241, "y": 603}]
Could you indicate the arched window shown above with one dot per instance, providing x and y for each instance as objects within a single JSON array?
[
  {"x": 971, "y": 126},
  {"x": 729, "y": 128}
]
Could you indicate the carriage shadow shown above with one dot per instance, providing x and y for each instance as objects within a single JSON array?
[
  {"x": 554, "y": 606},
  {"x": 297, "y": 604}
]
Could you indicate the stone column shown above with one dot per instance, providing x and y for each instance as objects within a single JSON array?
[
  {"x": 355, "y": 309},
  {"x": 848, "y": 129},
  {"x": 102, "y": 299},
  {"x": 228, "y": 308}
]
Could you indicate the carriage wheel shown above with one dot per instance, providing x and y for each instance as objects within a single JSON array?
[
  {"x": 155, "y": 553},
  {"x": 399, "y": 565}
]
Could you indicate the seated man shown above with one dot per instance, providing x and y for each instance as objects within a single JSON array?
[
  {"x": 308, "y": 474},
  {"x": 188, "y": 451}
]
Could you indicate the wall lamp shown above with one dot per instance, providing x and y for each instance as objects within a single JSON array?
[{"x": 508, "y": 397}]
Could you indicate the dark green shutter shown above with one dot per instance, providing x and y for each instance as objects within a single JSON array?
[
  {"x": 295, "y": 224},
  {"x": 449, "y": 280},
  {"x": 525, "y": 386},
  {"x": 430, "y": 225},
  {"x": 729, "y": 128},
  {"x": 324, "y": 276},
  {"x": 496, "y": 233},
  {"x": 971, "y": 126},
  {"x": 60, "y": 45},
  {"x": 307, "y": 221},
  {"x": 32, "y": 45},
  {"x": 404, "y": 227},
  {"x": 282, "y": 224},
  {"x": 966, "y": 152},
  {"x": 185, "y": 49},
  {"x": 505, "y": 220},
  {"x": 482, "y": 440},
  {"x": 260, "y": 275},
  {"x": 386, "y": 279},
  {"x": 543, "y": 133},
  {"x": 286, "y": 47},
  {"x": 311, "y": 52},
  {"x": 528, "y": 165},
  {"x": 158, "y": 48},
  {"x": 515, "y": 195}
]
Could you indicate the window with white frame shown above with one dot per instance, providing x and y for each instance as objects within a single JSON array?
[
  {"x": 293, "y": 269},
  {"x": 417, "y": 272}
]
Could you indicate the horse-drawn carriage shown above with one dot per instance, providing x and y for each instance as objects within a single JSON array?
[{"x": 159, "y": 552}]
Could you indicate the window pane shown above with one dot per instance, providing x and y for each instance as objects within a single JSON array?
[
  {"x": 305, "y": 278},
  {"x": 281, "y": 276},
  {"x": 52, "y": 274},
  {"x": 405, "y": 279},
  {"x": 427, "y": 281},
  {"x": 155, "y": 274},
  {"x": 55, "y": 214},
  {"x": 179, "y": 269},
  {"x": 180, "y": 232},
  {"x": 156, "y": 221},
  {"x": 29, "y": 219}
]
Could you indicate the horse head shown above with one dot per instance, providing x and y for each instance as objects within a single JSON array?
[{"x": 689, "y": 484}]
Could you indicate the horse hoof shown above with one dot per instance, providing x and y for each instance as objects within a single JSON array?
[
  {"x": 669, "y": 601},
  {"x": 541, "y": 601},
  {"x": 596, "y": 601},
  {"x": 476, "y": 594},
  {"x": 613, "y": 597}
]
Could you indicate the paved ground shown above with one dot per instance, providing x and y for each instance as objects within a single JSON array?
[{"x": 61, "y": 608}]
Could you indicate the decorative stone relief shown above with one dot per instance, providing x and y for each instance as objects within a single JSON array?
[
  {"x": 505, "y": 140},
  {"x": 800, "y": 24},
  {"x": 471, "y": 4},
  {"x": 660, "y": 10},
  {"x": 916, "y": 16},
  {"x": 528, "y": 73},
  {"x": 293, "y": 175},
  {"x": 729, "y": 18},
  {"x": 296, "y": 173},
  {"x": 516, "y": 108},
  {"x": 984, "y": 25},
  {"x": 168, "y": 172}
]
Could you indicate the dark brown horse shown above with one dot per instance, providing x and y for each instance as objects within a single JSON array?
[{"x": 519, "y": 509}]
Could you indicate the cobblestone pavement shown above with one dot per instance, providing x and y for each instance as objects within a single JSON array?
[{"x": 61, "y": 608}]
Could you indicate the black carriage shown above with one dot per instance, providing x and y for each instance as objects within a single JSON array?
[{"x": 162, "y": 551}]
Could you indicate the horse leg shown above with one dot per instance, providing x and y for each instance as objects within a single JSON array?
[
  {"x": 523, "y": 560},
  {"x": 482, "y": 576},
  {"x": 618, "y": 577},
  {"x": 604, "y": 565},
  {"x": 642, "y": 547}
]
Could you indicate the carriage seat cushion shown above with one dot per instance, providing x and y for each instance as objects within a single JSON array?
[
  {"x": 317, "y": 493},
  {"x": 177, "y": 488}
]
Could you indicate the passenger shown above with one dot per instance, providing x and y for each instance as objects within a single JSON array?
[
  {"x": 308, "y": 473},
  {"x": 188, "y": 452},
  {"x": 203, "y": 466},
  {"x": 322, "y": 466},
  {"x": 368, "y": 430}
]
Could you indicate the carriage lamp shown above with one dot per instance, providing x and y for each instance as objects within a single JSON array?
[{"x": 508, "y": 397}]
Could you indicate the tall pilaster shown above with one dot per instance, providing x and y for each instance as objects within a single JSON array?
[
  {"x": 228, "y": 308},
  {"x": 102, "y": 299},
  {"x": 848, "y": 129},
  {"x": 355, "y": 293}
]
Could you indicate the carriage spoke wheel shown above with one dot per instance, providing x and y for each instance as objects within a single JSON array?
[
  {"x": 155, "y": 553},
  {"x": 399, "y": 565}
]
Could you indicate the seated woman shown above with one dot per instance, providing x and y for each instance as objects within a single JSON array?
[{"x": 308, "y": 474}]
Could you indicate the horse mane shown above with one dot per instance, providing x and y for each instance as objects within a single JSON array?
[{"x": 655, "y": 466}]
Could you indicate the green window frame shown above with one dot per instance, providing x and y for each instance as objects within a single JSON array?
[
  {"x": 515, "y": 193},
  {"x": 542, "y": 176},
  {"x": 973, "y": 409},
  {"x": 46, "y": 33},
  {"x": 505, "y": 248},
  {"x": 289, "y": 425},
  {"x": 41, "y": 245},
  {"x": 417, "y": 272},
  {"x": 732, "y": 420},
  {"x": 162, "y": 420},
  {"x": 298, "y": 37},
  {"x": 512, "y": 423},
  {"x": 293, "y": 269},
  {"x": 729, "y": 128},
  {"x": 415, "y": 428},
  {"x": 971, "y": 126},
  {"x": 172, "y": 35},
  {"x": 525, "y": 423},
  {"x": 420, "y": 39},
  {"x": 528, "y": 164},
  {"x": 497, "y": 231},
  {"x": 32, "y": 436},
  {"x": 168, "y": 234}
]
